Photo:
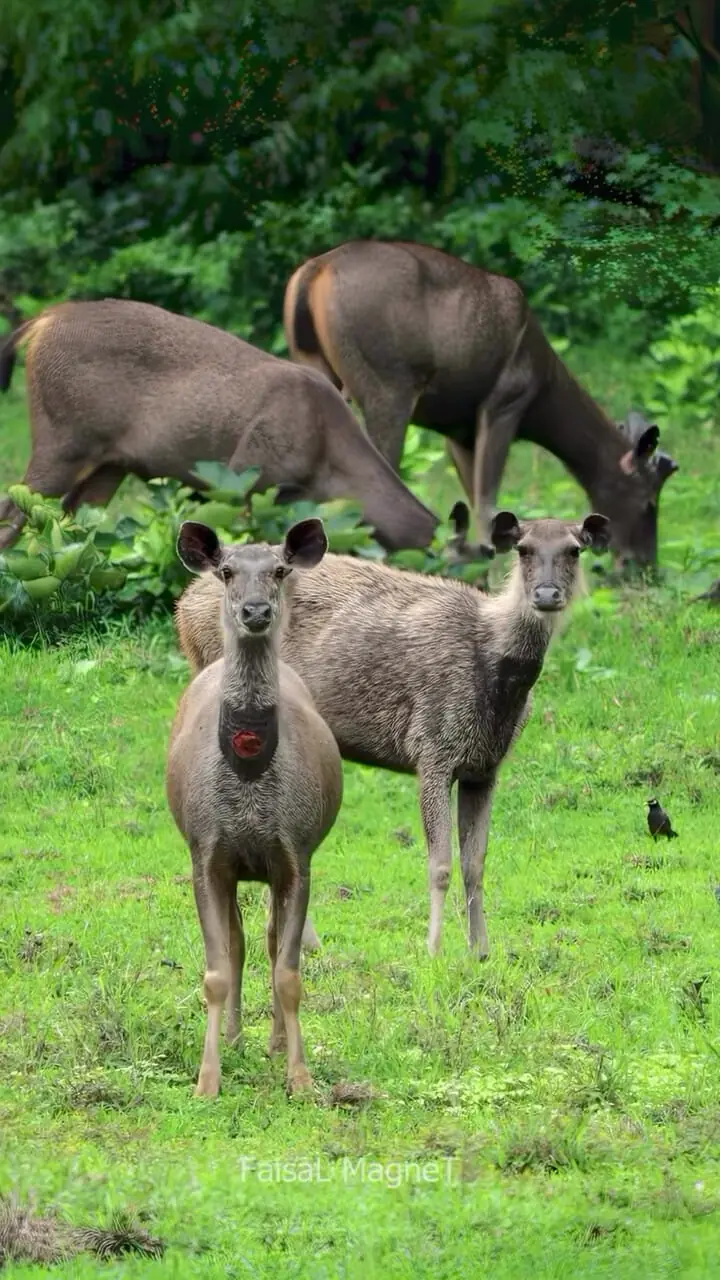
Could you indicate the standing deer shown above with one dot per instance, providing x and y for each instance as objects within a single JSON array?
[
  {"x": 254, "y": 783},
  {"x": 424, "y": 675},
  {"x": 413, "y": 334},
  {"x": 117, "y": 387}
]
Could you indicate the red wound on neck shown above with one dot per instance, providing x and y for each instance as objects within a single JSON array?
[{"x": 245, "y": 743}]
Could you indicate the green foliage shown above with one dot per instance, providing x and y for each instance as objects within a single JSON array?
[
  {"x": 60, "y": 565},
  {"x": 191, "y": 155},
  {"x": 687, "y": 357},
  {"x": 89, "y": 562}
]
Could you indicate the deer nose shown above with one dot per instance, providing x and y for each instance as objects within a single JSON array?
[
  {"x": 256, "y": 615},
  {"x": 547, "y": 598}
]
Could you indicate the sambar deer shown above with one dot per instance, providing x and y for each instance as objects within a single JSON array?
[
  {"x": 422, "y": 674},
  {"x": 118, "y": 387},
  {"x": 411, "y": 333},
  {"x": 254, "y": 783}
]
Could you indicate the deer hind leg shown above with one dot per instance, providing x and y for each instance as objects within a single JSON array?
[
  {"x": 437, "y": 822},
  {"x": 212, "y": 897},
  {"x": 98, "y": 488},
  {"x": 387, "y": 411},
  {"x": 75, "y": 483},
  {"x": 12, "y": 521},
  {"x": 474, "y": 806},
  {"x": 310, "y": 940},
  {"x": 51, "y": 477},
  {"x": 287, "y": 983},
  {"x": 278, "y": 1039},
  {"x": 237, "y": 964}
]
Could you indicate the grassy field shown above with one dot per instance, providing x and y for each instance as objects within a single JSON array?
[{"x": 555, "y": 1112}]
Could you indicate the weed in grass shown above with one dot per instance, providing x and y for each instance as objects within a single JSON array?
[{"x": 542, "y": 1152}]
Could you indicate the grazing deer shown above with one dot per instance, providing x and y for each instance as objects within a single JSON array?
[
  {"x": 116, "y": 387},
  {"x": 254, "y": 782},
  {"x": 424, "y": 675},
  {"x": 413, "y": 334}
]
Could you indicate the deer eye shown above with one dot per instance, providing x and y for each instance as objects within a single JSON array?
[
  {"x": 281, "y": 572},
  {"x": 524, "y": 551},
  {"x": 575, "y": 552},
  {"x": 225, "y": 573}
]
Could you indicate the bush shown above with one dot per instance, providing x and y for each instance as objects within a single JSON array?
[
  {"x": 687, "y": 366},
  {"x": 75, "y": 565}
]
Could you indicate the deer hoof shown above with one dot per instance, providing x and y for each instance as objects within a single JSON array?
[
  {"x": 310, "y": 940},
  {"x": 299, "y": 1082},
  {"x": 276, "y": 1044},
  {"x": 208, "y": 1085}
]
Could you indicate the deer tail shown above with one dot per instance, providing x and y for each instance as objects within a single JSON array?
[
  {"x": 8, "y": 352},
  {"x": 300, "y": 331}
]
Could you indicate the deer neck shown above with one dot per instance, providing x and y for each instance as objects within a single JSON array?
[
  {"x": 517, "y": 638},
  {"x": 248, "y": 726},
  {"x": 565, "y": 419}
]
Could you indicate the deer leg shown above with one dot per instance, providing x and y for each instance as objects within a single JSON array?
[
  {"x": 310, "y": 940},
  {"x": 463, "y": 461},
  {"x": 12, "y": 520},
  {"x": 278, "y": 1040},
  {"x": 98, "y": 488},
  {"x": 437, "y": 822},
  {"x": 492, "y": 443},
  {"x": 386, "y": 413},
  {"x": 287, "y": 979},
  {"x": 53, "y": 477},
  {"x": 212, "y": 898},
  {"x": 474, "y": 805},
  {"x": 237, "y": 964}
]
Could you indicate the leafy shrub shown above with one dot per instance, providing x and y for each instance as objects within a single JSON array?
[
  {"x": 61, "y": 563},
  {"x": 687, "y": 366},
  {"x": 89, "y": 562}
]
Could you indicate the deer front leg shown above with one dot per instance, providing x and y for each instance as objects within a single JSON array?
[
  {"x": 287, "y": 980},
  {"x": 437, "y": 823},
  {"x": 492, "y": 443},
  {"x": 474, "y": 806},
  {"x": 212, "y": 897}
]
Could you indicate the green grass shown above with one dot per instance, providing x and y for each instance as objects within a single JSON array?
[{"x": 559, "y": 1106}]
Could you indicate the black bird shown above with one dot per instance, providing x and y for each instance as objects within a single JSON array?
[
  {"x": 712, "y": 594},
  {"x": 658, "y": 821}
]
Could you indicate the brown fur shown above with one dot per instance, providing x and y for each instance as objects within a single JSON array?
[
  {"x": 265, "y": 826},
  {"x": 414, "y": 334},
  {"x": 421, "y": 674},
  {"x": 118, "y": 387}
]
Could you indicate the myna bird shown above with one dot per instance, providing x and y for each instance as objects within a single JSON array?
[
  {"x": 712, "y": 594},
  {"x": 658, "y": 821}
]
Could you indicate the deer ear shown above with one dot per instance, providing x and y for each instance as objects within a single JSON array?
[
  {"x": 505, "y": 531},
  {"x": 665, "y": 467},
  {"x": 305, "y": 543},
  {"x": 459, "y": 518},
  {"x": 647, "y": 443},
  {"x": 198, "y": 546},
  {"x": 594, "y": 532}
]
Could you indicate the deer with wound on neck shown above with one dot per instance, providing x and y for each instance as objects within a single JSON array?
[
  {"x": 426, "y": 675},
  {"x": 254, "y": 783}
]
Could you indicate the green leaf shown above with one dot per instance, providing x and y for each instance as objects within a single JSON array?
[{"x": 226, "y": 482}]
